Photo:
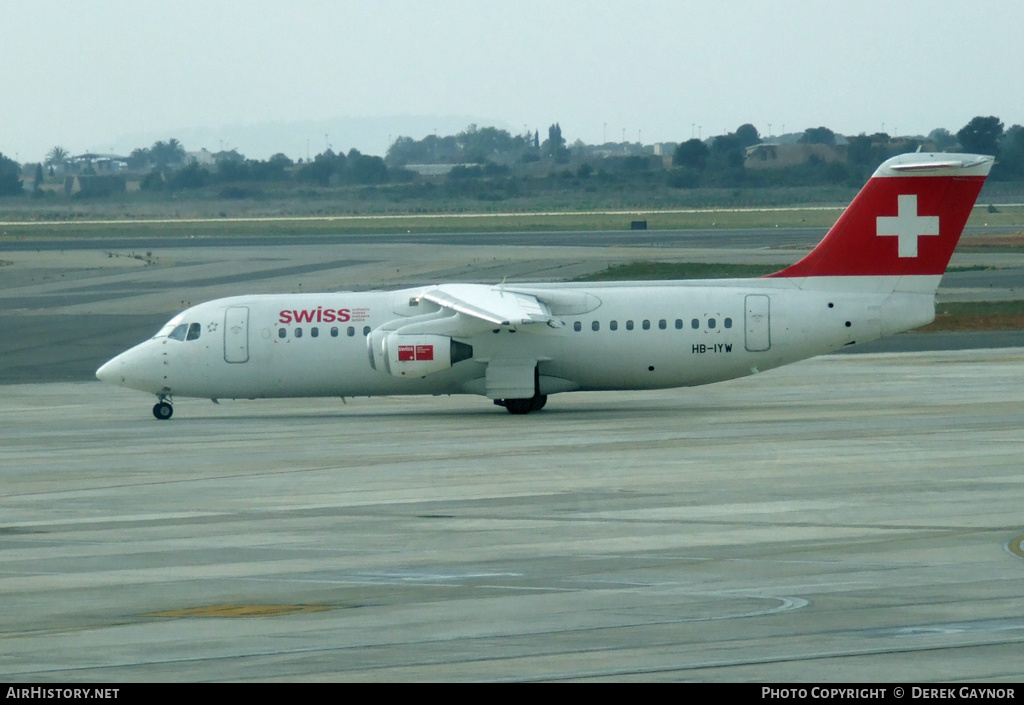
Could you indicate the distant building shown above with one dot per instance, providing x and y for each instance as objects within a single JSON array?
[
  {"x": 779, "y": 156},
  {"x": 98, "y": 163},
  {"x": 203, "y": 157}
]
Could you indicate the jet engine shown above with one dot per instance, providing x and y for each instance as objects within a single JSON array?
[{"x": 410, "y": 355}]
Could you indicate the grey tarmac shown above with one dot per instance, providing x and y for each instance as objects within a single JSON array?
[{"x": 848, "y": 518}]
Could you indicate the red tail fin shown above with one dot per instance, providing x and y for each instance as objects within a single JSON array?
[{"x": 905, "y": 221}]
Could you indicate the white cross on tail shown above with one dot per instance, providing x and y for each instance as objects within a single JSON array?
[{"x": 907, "y": 225}]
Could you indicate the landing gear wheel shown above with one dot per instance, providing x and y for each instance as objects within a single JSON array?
[
  {"x": 519, "y": 406},
  {"x": 524, "y": 406},
  {"x": 162, "y": 410}
]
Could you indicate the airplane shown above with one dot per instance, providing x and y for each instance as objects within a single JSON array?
[{"x": 874, "y": 273}]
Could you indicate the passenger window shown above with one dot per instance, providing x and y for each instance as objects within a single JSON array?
[
  {"x": 679, "y": 324},
  {"x": 596, "y": 325},
  {"x": 366, "y": 330},
  {"x": 193, "y": 332},
  {"x": 298, "y": 332},
  {"x": 179, "y": 332},
  {"x": 282, "y": 333},
  {"x": 662, "y": 324},
  {"x": 629, "y": 325},
  {"x": 728, "y": 323},
  {"x": 614, "y": 325},
  {"x": 334, "y": 331},
  {"x": 711, "y": 323},
  {"x": 695, "y": 324},
  {"x": 315, "y": 332},
  {"x": 351, "y": 331},
  {"x": 577, "y": 326},
  {"x": 646, "y": 324}
]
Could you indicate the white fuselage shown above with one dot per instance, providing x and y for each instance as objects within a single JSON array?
[
  {"x": 875, "y": 273},
  {"x": 621, "y": 335}
]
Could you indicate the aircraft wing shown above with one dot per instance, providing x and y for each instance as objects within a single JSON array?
[{"x": 493, "y": 305}]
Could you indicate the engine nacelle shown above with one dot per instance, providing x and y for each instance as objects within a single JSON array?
[{"x": 421, "y": 355}]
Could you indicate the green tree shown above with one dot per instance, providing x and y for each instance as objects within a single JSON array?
[
  {"x": 747, "y": 135},
  {"x": 981, "y": 135},
  {"x": 484, "y": 144},
  {"x": 692, "y": 154},
  {"x": 727, "y": 151},
  {"x": 818, "y": 135},
  {"x": 10, "y": 184},
  {"x": 273, "y": 169},
  {"x": 191, "y": 177},
  {"x": 281, "y": 160},
  {"x": 858, "y": 151},
  {"x": 230, "y": 171},
  {"x": 57, "y": 158},
  {"x": 1012, "y": 152},
  {"x": 554, "y": 145},
  {"x": 365, "y": 169},
  {"x": 228, "y": 156},
  {"x": 153, "y": 181},
  {"x": 139, "y": 158},
  {"x": 404, "y": 150},
  {"x": 166, "y": 154},
  {"x": 683, "y": 178},
  {"x": 429, "y": 150},
  {"x": 323, "y": 167},
  {"x": 942, "y": 138}
]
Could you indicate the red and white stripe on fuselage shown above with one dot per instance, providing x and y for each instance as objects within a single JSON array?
[{"x": 905, "y": 222}]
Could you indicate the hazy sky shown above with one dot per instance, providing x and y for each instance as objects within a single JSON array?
[{"x": 98, "y": 74}]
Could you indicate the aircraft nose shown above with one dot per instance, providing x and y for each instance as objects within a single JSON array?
[
  {"x": 105, "y": 373},
  {"x": 132, "y": 368},
  {"x": 110, "y": 370}
]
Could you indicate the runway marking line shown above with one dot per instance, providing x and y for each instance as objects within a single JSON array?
[{"x": 241, "y": 611}]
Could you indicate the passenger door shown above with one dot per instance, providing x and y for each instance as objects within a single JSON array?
[
  {"x": 758, "y": 323},
  {"x": 236, "y": 334}
]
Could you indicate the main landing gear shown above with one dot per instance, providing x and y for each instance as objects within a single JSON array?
[
  {"x": 163, "y": 409},
  {"x": 523, "y": 406}
]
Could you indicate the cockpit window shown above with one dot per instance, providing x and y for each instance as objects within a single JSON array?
[
  {"x": 179, "y": 332},
  {"x": 169, "y": 327},
  {"x": 166, "y": 330},
  {"x": 193, "y": 331}
]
